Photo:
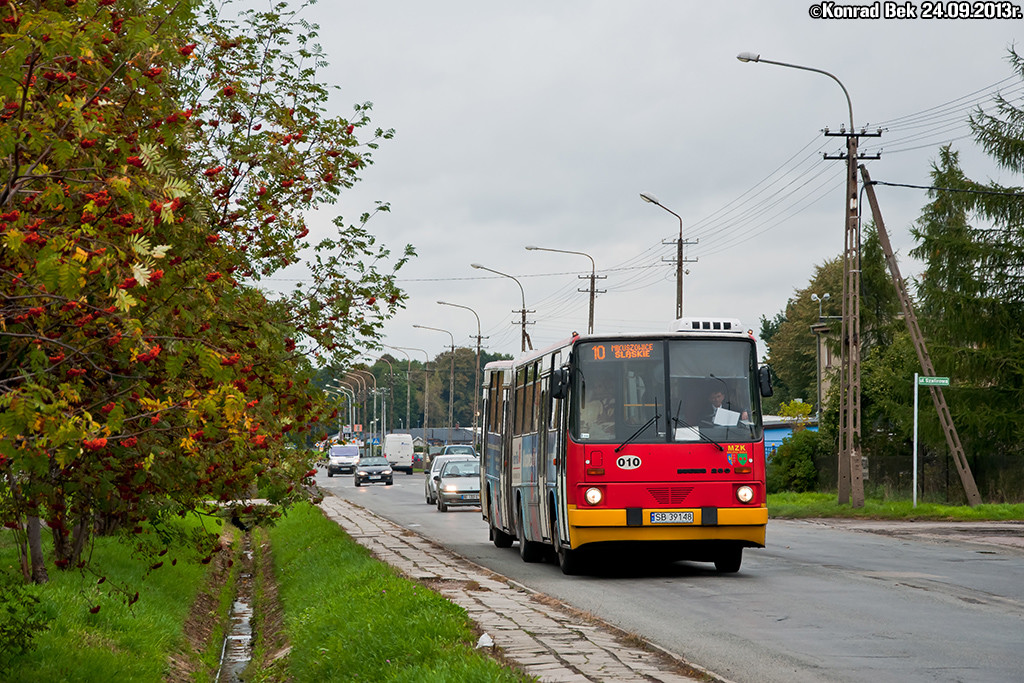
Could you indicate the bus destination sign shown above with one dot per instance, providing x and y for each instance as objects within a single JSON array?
[{"x": 622, "y": 351}]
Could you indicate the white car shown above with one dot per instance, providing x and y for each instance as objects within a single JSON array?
[
  {"x": 342, "y": 459},
  {"x": 458, "y": 483},
  {"x": 429, "y": 484}
]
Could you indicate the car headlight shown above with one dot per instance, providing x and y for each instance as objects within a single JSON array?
[
  {"x": 386, "y": 472},
  {"x": 362, "y": 472},
  {"x": 745, "y": 494},
  {"x": 450, "y": 488},
  {"x": 593, "y": 495}
]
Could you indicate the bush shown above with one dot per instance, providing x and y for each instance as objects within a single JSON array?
[
  {"x": 22, "y": 616},
  {"x": 792, "y": 466}
]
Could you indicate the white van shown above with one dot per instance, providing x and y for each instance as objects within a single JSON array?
[{"x": 398, "y": 450}]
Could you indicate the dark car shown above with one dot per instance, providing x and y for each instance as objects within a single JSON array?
[{"x": 374, "y": 469}]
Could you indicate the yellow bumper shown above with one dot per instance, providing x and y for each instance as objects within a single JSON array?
[{"x": 733, "y": 524}]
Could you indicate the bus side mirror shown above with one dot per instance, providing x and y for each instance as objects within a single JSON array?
[
  {"x": 764, "y": 379},
  {"x": 560, "y": 383}
]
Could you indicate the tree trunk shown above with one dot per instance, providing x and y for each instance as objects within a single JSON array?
[{"x": 35, "y": 546}]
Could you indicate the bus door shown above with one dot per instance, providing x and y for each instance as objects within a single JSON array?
[
  {"x": 505, "y": 478},
  {"x": 560, "y": 417},
  {"x": 549, "y": 447}
]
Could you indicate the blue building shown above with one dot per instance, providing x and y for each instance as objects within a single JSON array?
[{"x": 777, "y": 428}]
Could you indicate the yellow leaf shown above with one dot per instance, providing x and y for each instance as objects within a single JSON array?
[{"x": 81, "y": 255}]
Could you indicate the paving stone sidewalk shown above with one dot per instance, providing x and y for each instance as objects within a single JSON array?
[{"x": 542, "y": 637}]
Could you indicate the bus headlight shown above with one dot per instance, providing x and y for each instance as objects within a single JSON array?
[
  {"x": 745, "y": 494},
  {"x": 593, "y": 496}
]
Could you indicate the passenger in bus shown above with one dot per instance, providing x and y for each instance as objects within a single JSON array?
[
  {"x": 597, "y": 417},
  {"x": 716, "y": 400}
]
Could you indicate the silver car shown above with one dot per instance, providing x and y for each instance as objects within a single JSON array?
[
  {"x": 429, "y": 484},
  {"x": 458, "y": 483}
]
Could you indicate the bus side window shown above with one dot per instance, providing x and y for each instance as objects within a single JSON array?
[
  {"x": 536, "y": 419},
  {"x": 519, "y": 400}
]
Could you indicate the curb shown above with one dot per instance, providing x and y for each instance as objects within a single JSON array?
[{"x": 540, "y": 635}]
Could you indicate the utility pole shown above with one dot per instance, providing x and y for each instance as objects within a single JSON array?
[
  {"x": 524, "y": 311},
  {"x": 476, "y": 373},
  {"x": 593, "y": 277},
  {"x": 851, "y": 480},
  {"x": 938, "y": 398},
  {"x": 679, "y": 260}
]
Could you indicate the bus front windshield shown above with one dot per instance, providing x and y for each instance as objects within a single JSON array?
[{"x": 657, "y": 391}]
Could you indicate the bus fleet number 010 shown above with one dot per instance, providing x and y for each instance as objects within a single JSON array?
[{"x": 628, "y": 462}]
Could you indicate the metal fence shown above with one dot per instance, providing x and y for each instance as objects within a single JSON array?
[{"x": 999, "y": 477}]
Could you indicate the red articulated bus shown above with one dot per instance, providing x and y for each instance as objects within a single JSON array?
[{"x": 652, "y": 439}]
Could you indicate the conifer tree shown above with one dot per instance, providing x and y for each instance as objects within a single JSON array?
[{"x": 971, "y": 238}]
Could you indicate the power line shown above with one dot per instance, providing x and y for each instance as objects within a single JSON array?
[{"x": 948, "y": 189}]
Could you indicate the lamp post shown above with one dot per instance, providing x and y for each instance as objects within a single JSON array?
[
  {"x": 426, "y": 387},
  {"x": 593, "y": 279},
  {"x": 476, "y": 374},
  {"x": 373, "y": 433},
  {"x": 408, "y": 384},
  {"x": 650, "y": 198},
  {"x": 362, "y": 392},
  {"x": 330, "y": 389},
  {"x": 350, "y": 400},
  {"x": 817, "y": 329},
  {"x": 391, "y": 388},
  {"x": 526, "y": 337},
  {"x": 451, "y": 380},
  {"x": 851, "y": 482},
  {"x": 824, "y": 297}
]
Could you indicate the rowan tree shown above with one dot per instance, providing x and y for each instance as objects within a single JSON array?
[{"x": 157, "y": 161}]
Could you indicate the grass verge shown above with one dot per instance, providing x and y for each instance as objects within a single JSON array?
[
  {"x": 94, "y": 633},
  {"x": 347, "y": 616},
  {"x": 804, "y": 505}
]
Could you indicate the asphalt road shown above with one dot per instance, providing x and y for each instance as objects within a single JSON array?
[{"x": 820, "y": 603}]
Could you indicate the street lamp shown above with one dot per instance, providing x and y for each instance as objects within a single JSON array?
[
  {"x": 593, "y": 278},
  {"x": 451, "y": 380},
  {"x": 373, "y": 432},
  {"x": 391, "y": 388},
  {"x": 426, "y": 387},
  {"x": 408, "y": 384},
  {"x": 333, "y": 390},
  {"x": 476, "y": 374},
  {"x": 526, "y": 337},
  {"x": 348, "y": 399},
  {"x": 824, "y": 297},
  {"x": 818, "y": 329},
  {"x": 650, "y": 198},
  {"x": 361, "y": 383},
  {"x": 851, "y": 482}
]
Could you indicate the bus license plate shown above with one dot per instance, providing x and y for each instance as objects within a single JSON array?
[{"x": 671, "y": 518}]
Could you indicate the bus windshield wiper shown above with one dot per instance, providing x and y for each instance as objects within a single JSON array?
[
  {"x": 704, "y": 437},
  {"x": 637, "y": 433}
]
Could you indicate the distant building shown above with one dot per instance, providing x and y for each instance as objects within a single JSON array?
[
  {"x": 438, "y": 436},
  {"x": 777, "y": 428}
]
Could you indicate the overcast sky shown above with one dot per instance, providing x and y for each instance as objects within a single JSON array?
[{"x": 541, "y": 122}]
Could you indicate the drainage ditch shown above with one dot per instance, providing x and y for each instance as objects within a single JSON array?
[{"x": 236, "y": 651}]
